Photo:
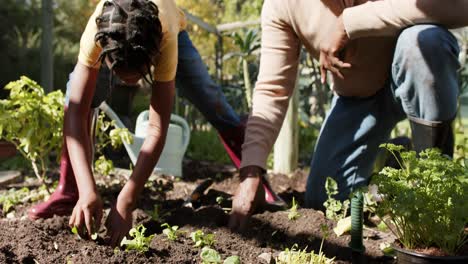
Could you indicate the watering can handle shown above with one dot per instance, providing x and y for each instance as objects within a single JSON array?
[
  {"x": 144, "y": 116},
  {"x": 185, "y": 130}
]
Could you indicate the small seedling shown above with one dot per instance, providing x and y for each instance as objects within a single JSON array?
[
  {"x": 139, "y": 241},
  {"x": 232, "y": 260},
  {"x": 293, "y": 214},
  {"x": 201, "y": 239},
  {"x": 171, "y": 232},
  {"x": 219, "y": 200},
  {"x": 74, "y": 230},
  {"x": 12, "y": 198},
  {"x": 210, "y": 256},
  {"x": 335, "y": 210}
]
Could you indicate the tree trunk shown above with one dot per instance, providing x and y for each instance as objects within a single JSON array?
[
  {"x": 286, "y": 149},
  {"x": 47, "y": 56}
]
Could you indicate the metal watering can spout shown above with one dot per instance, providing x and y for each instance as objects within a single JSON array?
[{"x": 177, "y": 140}]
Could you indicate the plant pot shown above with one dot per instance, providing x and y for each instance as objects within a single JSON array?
[
  {"x": 410, "y": 257},
  {"x": 7, "y": 150}
]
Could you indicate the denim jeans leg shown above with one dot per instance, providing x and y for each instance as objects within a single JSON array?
[
  {"x": 424, "y": 73},
  {"x": 348, "y": 144},
  {"x": 195, "y": 84}
]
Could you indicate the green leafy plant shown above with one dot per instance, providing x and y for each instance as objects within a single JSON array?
[
  {"x": 201, "y": 239},
  {"x": 12, "y": 198},
  {"x": 335, "y": 210},
  {"x": 74, "y": 230},
  {"x": 293, "y": 214},
  {"x": 425, "y": 200},
  {"x": 232, "y": 260},
  {"x": 32, "y": 121},
  {"x": 171, "y": 232},
  {"x": 248, "y": 42},
  {"x": 108, "y": 134},
  {"x": 297, "y": 256},
  {"x": 220, "y": 200},
  {"x": 139, "y": 241},
  {"x": 210, "y": 256}
]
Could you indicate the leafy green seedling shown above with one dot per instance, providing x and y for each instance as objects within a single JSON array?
[
  {"x": 232, "y": 260},
  {"x": 293, "y": 214},
  {"x": 335, "y": 210},
  {"x": 201, "y": 239},
  {"x": 295, "y": 255},
  {"x": 172, "y": 232},
  {"x": 12, "y": 198},
  {"x": 210, "y": 256},
  {"x": 219, "y": 200},
  {"x": 139, "y": 241},
  {"x": 74, "y": 230},
  {"x": 103, "y": 165}
]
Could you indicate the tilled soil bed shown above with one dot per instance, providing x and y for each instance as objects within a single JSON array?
[{"x": 269, "y": 232}]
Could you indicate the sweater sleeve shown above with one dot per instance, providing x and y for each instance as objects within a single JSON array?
[
  {"x": 388, "y": 17},
  {"x": 278, "y": 68}
]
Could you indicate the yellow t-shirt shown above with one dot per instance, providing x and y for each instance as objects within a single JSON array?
[{"x": 165, "y": 63}]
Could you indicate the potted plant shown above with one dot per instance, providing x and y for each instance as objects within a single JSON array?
[{"x": 425, "y": 204}]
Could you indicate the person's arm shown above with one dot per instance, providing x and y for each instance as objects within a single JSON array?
[
  {"x": 159, "y": 117},
  {"x": 119, "y": 221},
  {"x": 77, "y": 138},
  {"x": 276, "y": 80},
  {"x": 388, "y": 17}
]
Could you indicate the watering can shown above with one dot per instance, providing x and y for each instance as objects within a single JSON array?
[{"x": 177, "y": 140}]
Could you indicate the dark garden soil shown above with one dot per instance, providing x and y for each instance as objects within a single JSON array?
[{"x": 269, "y": 232}]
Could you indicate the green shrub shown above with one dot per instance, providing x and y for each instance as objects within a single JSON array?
[{"x": 425, "y": 200}]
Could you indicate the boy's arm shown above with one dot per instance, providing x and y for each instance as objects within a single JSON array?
[{"x": 388, "y": 17}]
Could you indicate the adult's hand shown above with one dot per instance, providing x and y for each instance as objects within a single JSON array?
[
  {"x": 330, "y": 50},
  {"x": 248, "y": 197},
  {"x": 119, "y": 221},
  {"x": 87, "y": 214}
]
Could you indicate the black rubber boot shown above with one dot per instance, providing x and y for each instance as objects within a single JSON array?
[{"x": 432, "y": 134}]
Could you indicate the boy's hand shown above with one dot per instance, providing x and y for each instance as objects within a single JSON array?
[
  {"x": 87, "y": 214},
  {"x": 330, "y": 50},
  {"x": 119, "y": 222}
]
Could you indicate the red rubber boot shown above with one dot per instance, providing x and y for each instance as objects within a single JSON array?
[
  {"x": 232, "y": 141},
  {"x": 64, "y": 198}
]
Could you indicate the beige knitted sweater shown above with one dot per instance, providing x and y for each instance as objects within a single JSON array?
[{"x": 372, "y": 27}]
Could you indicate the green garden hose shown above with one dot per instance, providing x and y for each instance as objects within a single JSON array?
[{"x": 357, "y": 206}]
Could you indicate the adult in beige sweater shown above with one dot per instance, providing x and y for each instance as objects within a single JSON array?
[{"x": 389, "y": 59}]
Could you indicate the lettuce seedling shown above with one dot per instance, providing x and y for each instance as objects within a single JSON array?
[
  {"x": 232, "y": 260},
  {"x": 293, "y": 214},
  {"x": 139, "y": 241},
  {"x": 171, "y": 232},
  {"x": 210, "y": 256},
  {"x": 12, "y": 198},
  {"x": 201, "y": 239}
]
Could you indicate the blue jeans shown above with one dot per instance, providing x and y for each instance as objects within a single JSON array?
[
  {"x": 423, "y": 85},
  {"x": 195, "y": 84}
]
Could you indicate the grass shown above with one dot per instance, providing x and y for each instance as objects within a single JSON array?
[{"x": 206, "y": 145}]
